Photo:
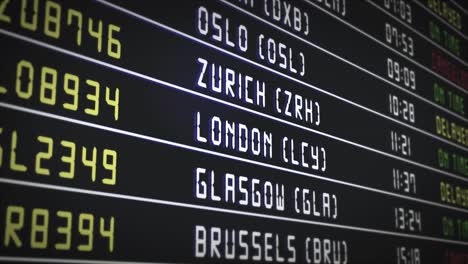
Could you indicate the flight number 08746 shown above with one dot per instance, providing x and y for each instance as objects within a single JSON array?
[{"x": 32, "y": 13}]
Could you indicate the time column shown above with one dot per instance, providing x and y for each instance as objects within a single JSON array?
[{"x": 408, "y": 220}]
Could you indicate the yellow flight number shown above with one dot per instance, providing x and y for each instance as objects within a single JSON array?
[
  {"x": 33, "y": 228},
  {"x": 55, "y": 151},
  {"x": 66, "y": 90},
  {"x": 53, "y": 17}
]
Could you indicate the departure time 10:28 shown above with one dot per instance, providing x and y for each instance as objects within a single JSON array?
[{"x": 401, "y": 108}]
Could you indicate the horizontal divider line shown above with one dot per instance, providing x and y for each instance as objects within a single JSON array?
[
  {"x": 279, "y": 73},
  {"x": 417, "y": 96},
  {"x": 459, "y": 7},
  {"x": 386, "y": 46},
  {"x": 223, "y": 155},
  {"x": 222, "y": 210},
  {"x": 441, "y": 19},
  {"x": 151, "y": 79},
  {"x": 117, "y": 68},
  {"x": 372, "y": 3}
]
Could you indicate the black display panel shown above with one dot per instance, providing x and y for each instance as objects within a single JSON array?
[{"x": 233, "y": 131}]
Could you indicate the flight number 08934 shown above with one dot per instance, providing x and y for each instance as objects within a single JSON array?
[{"x": 66, "y": 90}]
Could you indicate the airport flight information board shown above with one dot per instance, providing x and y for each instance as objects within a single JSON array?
[{"x": 233, "y": 131}]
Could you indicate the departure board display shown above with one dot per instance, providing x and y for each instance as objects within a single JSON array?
[{"x": 234, "y": 131}]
